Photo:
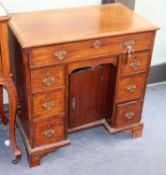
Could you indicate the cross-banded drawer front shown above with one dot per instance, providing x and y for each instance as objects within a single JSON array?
[
  {"x": 48, "y": 104},
  {"x": 128, "y": 113},
  {"x": 47, "y": 78},
  {"x": 137, "y": 62},
  {"x": 131, "y": 88},
  {"x": 78, "y": 50},
  {"x": 48, "y": 130}
]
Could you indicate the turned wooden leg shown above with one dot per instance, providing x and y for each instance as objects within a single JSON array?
[
  {"x": 138, "y": 131},
  {"x": 2, "y": 113},
  {"x": 12, "y": 117}
]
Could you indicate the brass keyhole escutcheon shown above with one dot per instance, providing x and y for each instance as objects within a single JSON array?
[
  {"x": 97, "y": 44},
  {"x": 73, "y": 103},
  {"x": 135, "y": 64}
]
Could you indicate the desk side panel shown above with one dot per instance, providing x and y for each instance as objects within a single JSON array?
[{"x": 19, "y": 75}]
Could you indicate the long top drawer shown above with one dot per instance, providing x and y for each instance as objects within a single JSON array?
[{"x": 67, "y": 52}]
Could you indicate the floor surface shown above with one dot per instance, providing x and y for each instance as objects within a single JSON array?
[{"x": 95, "y": 152}]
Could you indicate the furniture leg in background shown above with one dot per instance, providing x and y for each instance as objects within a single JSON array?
[
  {"x": 2, "y": 113},
  {"x": 7, "y": 82}
]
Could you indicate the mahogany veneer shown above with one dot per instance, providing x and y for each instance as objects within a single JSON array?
[{"x": 79, "y": 68}]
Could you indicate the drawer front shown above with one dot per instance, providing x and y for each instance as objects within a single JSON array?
[
  {"x": 128, "y": 113},
  {"x": 131, "y": 87},
  {"x": 138, "y": 62},
  {"x": 48, "y": 130},
  {"x": 47, "y": 78},
  {"x": 77, "y": 50},
  {"x": 48, "y": 104}
]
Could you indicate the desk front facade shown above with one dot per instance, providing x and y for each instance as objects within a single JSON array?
[{"x": 118, "y": 50}]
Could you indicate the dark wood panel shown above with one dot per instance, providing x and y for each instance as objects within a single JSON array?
[{"x": 85, "y": 96}]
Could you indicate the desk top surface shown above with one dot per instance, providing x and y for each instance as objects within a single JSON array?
[{"x": 40, "y": 28}]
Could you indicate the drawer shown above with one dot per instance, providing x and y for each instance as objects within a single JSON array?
[
  {"x": 138, "y": 62},
  {"x": 77, "y": 50},
  {"x": 47, "y": 78},
  {"x": 128, "y": 113},
  {"x": 48, "y": 130},
  {"x": 48, "y": 104},
  {"x": 131, "y": 87}
]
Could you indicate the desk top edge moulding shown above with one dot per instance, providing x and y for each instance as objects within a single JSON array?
[
  {"x": 6, "y": 80},
  {"x": 94, "y": 22},
  {"x": 78, "y": 68}
]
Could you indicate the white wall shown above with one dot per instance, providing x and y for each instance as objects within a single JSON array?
[
  {"x": 155, "y": 11},
  {"x": 29, "y": 5}
]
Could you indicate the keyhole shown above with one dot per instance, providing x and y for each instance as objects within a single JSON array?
[{"x": 132, "y": 81}]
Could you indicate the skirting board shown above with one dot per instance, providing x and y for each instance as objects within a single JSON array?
[{"x": 157, "y": 73}]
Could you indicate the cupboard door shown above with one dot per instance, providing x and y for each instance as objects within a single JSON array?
[{"x": 85, "y": 96}]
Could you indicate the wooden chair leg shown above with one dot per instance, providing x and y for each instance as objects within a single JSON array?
[
  {"x": 12, "y": 118},
  {"x": 2, "y": 113}
]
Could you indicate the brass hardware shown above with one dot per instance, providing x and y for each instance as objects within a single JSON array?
[
  {"x": 129, "y": 115},
  {"x": 129, "y": 48},
  {"x": 48, "y": 80},
  {"x": 60, "y": 54},
  {"x": 49, "y": 133},
  {"x": 129, "y": 43},
  {"x": 48, "y": 105},
  {"x": 73, "y": 103},
  {"x": 131, "y": 88},
  {"x": 135, "y": 64},
  {"x": 97, "y": 44}
]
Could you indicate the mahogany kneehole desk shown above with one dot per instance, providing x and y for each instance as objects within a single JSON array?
[{"x": 79, "y": 68}]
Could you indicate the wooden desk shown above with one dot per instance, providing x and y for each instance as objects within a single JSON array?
[
  {"x": 7, "y": 81},
  {"x": 79, "y": 68}
]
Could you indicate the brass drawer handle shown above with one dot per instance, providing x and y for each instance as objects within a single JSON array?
[
  {"x": 60, "y": 54},
  {"x": 48, "y": 80},
  {"x": 48, "y": 105},
  {"x": 49, "y": 133},
  {"x": 129, "y": 48},
  {"x": 135, "y": 65},
  {"x": 131, "y": 88},
  {"x": 97, "y": 44},
  {"x": 129, "y": 115}
]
